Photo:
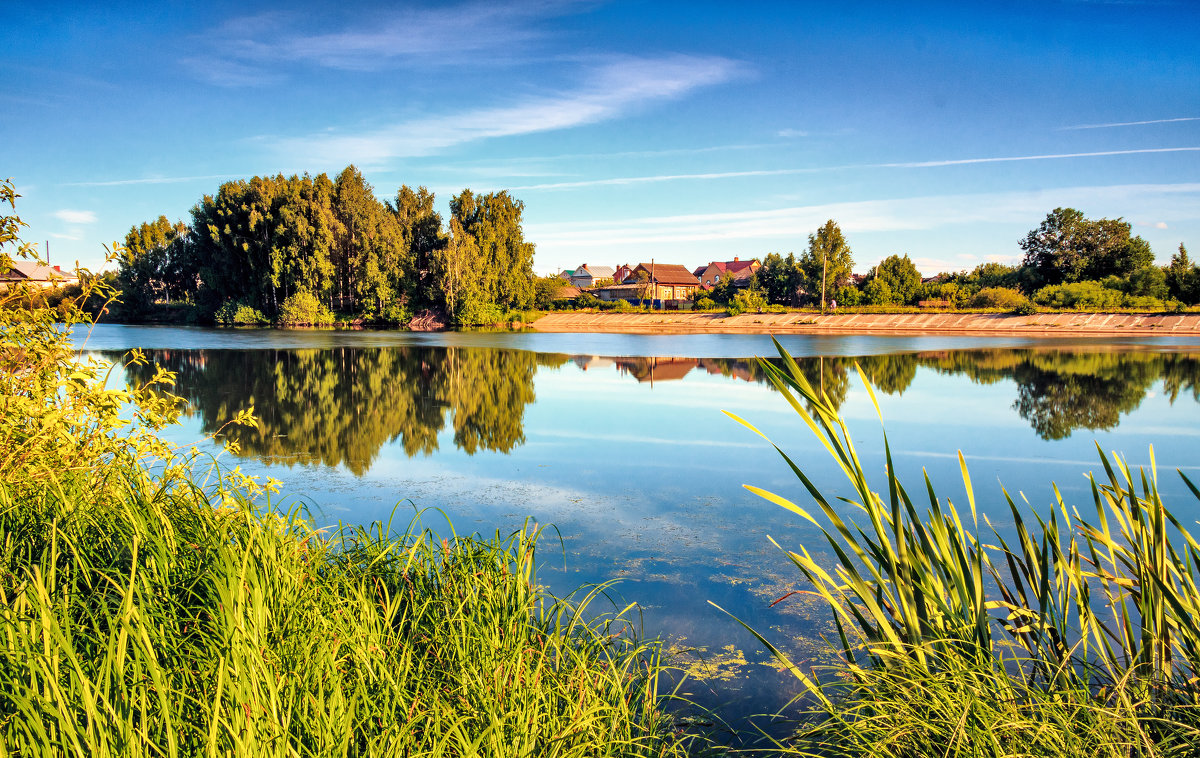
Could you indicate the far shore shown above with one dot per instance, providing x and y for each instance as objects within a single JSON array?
[{"x": 1039, "y": 324}]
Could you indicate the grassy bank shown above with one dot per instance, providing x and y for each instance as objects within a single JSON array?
[
  {"x": 156, "y": 621},
  {"x": 1072, "y": 633},
  {"x": 153, "y": 604}
]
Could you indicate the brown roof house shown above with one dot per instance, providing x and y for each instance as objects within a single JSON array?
[
  {"x": 741, "y": 271},
  {"x": 36, "y": 275},
  {"x": 663, "y": 282},
  {"x": 586, "y": 276}
]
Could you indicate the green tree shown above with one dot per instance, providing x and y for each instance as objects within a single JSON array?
[
  {"x": 993, "y": 274},
  {"x": 1148, "y": 281},
  {"x": 901, "y": 277},
  {"x": 421, "y": 230},
  {"x": 724, "y": 291},
  {"x": 457, "y": 270},
  {"x": 1067, "y": 247},
  {"x": 144, "y": 264},
  {"x": 875, "y": 291},
  {"x": 493, "y": 221},
  {"x": 827, "y": 263},
  {"x": 779, "y": 278},
  {"x": 1183, "y": 278}
]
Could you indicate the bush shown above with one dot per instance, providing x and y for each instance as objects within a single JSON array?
[
  {"x": 1078, "y": 295},
  {"x": 848, "y": 296},
  {"x": 999, "y": 297},
  {"x": 303, "y": 309},
  {"x": 1025, "y": 309},
  {"x": 480, "y": 314},
  {"x": 750, "y": 300},
  {"x": 705, "y": 303},
  {"x": 1145, "y": 302},
  {"x": 238, "y": 313}
]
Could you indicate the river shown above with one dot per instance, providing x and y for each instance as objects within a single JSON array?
[{"x": 619, "y": 442}]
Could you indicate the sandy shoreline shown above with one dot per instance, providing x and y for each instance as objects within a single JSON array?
[{"x": 1041, "y": 324}]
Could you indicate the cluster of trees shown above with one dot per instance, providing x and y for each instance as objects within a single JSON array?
[
  {"x": 1070, "y": 262},
  {"x": 303, "y": 248}
]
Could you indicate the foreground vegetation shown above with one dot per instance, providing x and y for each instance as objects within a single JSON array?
[
  {"x": 1066, "y": 635},
  {"x": 153, "y": 605}
]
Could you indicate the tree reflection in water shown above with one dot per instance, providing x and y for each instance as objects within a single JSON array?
[{"x": 340, "y": 406}]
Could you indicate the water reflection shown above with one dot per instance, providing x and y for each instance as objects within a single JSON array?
[{"x": 342, "y": 405}]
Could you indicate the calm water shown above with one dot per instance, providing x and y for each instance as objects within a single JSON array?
[{"x": 620, "y": 443}]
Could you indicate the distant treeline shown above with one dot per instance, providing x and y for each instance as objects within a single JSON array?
[
  {"x": 1069, "y": 262},
  {"x": 305, "y": 250}
]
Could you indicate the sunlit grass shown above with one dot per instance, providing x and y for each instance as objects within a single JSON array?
[
  {"x": 1072, "y": 634},
  {"x": 148, "y": 621}
]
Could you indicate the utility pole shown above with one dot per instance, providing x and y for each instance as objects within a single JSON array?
[
  {"x": 823, "y": 262},
  {"x": 653, "y": 285}
]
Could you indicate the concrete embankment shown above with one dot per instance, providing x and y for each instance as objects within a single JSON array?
[{"x": 1040, "y": 324}]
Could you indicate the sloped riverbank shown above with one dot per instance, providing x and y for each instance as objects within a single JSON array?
[{"x": 1048, "y": 324}]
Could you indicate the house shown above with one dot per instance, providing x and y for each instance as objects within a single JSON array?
[
  {"x": 663, "y": 282},
  {"x": 614, "y": 292},
  {"x": 36, "y": 275},
  {"x": 741, "y": 271},
  {"x": 623, "y": 272},
  {"x": 656, "y": 369},
  {"x": 586, "y": 276}
]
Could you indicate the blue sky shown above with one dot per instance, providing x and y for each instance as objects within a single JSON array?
[{"x": 683, "y": 131}]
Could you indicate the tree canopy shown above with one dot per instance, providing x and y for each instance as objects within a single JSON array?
[
  {"x": 1066, "y": 247},
  {"x": 260, "y": 243},
  {"x": 828, "y": 261}
]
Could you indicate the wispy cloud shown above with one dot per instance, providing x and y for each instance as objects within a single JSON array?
[
  {"x": 889, "y": 215},
  {"x": 791, "y": 133},
  {"x": 1128, "y": 123},
  {"x": 657, "y": 178},
  {"x": 608, "y": 92},
  {"x": 72, "y": 237},
  {"x": 148, "y": 180},
  {"x": 250, "y": 50},
  {"x": 1042, "y": 157},
  {"x": 76, "y": 217}
]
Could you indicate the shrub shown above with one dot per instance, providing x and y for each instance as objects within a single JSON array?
[
  {"x": 480, "y": 314},
  {"x": 395, "y": 313},
  {"x": 1078, "y": 295},
  {"x": 750, "y": 300},
  {"x": 705, "y": 303},
  {"x": 303, "y": 309},
  {"x": 848, "y": 296},
  {"x": 1146, "y": 302},
  {"x": 238, "y": 313},
  {"x": 999, "y": 297},
  {"x": 1025, "y": 309}
]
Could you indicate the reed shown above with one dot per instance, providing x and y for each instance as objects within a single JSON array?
[
  {"x": 1078, "y": 625},
  {"x": 156, "y": 623}
]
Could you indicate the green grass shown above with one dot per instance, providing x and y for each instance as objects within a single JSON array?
[
  {"x": 154, "y": 621},
  {"x": 1075, "y": 633}
]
